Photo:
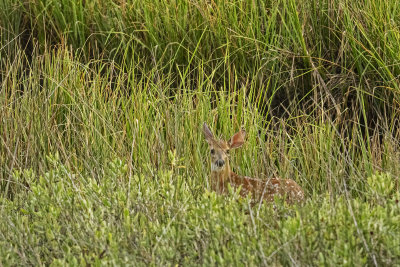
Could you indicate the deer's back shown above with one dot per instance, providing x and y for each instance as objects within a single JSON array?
[{"x": 268, "y": 189}]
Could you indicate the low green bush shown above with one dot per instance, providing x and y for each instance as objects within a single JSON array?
[{"x": 60, "y": 217}]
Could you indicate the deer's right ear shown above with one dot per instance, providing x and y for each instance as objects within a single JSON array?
[{"x": 207, "y": 133}]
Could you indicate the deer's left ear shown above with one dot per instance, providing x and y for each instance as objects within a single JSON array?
[{"x": 237, "y": 140}]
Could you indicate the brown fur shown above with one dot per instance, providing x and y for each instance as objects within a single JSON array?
[{"x": 260, "y": 189}]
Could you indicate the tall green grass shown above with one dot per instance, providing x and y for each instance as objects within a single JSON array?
[
  {"x": 90, "y": 114},
  {"x": 310, "y": 50},
  {"x": 102, "y": 158}
]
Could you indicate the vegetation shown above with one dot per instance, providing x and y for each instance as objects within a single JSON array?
[{"x": 102, "y": 158}]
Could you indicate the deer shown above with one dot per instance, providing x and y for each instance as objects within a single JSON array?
[{"x": 260, "y": 189}]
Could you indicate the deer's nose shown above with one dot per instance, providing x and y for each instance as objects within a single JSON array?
[{"x": 220, "y": 163}]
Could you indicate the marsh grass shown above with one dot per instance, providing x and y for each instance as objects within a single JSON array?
[
  {"x": 102, "y": 156},
  {"x": 90, "y": 114}
]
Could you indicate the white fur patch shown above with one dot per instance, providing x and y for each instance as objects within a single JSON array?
[{"x": 215, "y": 168}]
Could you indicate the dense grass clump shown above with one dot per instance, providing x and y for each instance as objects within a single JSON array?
[
  {"x": 340, "y": 55},
  {"x": 102, "y": 158}
]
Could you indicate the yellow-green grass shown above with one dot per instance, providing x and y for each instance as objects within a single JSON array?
[{"x": 102, "y": 158}]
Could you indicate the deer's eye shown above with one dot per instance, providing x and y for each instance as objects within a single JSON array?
[
  {"x": 212, "y": 151},
  {"x": 227, "y": 151}
]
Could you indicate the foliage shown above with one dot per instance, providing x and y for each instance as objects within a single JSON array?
[
  {"x": 340, "y": 54},
  {"x": 102, "y": 159},
  {"x": 60, "y": 217}
]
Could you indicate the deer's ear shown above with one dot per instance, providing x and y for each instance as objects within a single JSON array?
[
  {"x": 237, "y": 139},
  {"x": 207, "y": 133}
]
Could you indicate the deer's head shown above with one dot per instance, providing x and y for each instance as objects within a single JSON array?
[{"x": 219, "y": 149}]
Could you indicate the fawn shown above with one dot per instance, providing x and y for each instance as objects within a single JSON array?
[{"x": 221, "y": 174}]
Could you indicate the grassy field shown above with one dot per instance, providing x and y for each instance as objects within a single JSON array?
[{"x": 102, "y": 157}]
